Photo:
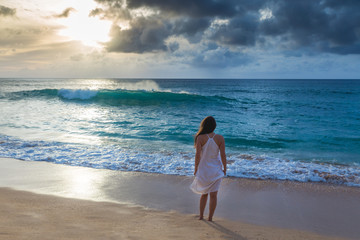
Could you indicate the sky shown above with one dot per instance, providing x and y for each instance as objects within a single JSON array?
[{"x": 180, "y": 39}]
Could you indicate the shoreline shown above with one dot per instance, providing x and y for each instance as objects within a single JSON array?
[
  {"x": 249, "y": 165},
  {"x": 311, "y": 208}
]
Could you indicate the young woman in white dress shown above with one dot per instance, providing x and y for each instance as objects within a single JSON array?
[{"x": 210, "y": 165}]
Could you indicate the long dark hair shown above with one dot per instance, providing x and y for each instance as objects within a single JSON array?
[{"x": 207, "y": 125}]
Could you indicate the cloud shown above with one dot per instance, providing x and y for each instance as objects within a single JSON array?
[
  {"x": 65, "y": 13},
  {"x": 39, "y": 56},
  {"x": 220, "y": 58},
  {"x": 319, "y": 25},
  {"x": 5, "y": 11},
  {"x": 29, "y": 42},
  {"x": 192, "y": 28},
  {"x": 203, "y": 38},
  {"x": 21, "y": 35},
  {"x": 240, "y": 31},
  {"x": 144, "y": 35},
  {"x": 190, "y": 8}
]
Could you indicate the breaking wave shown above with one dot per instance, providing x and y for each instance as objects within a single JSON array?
[{"x": 116, "y": 97}]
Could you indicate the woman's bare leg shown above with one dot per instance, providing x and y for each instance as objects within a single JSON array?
[
  {"x": 212, "y": 204},
  {"x": 203, "y": 200}
]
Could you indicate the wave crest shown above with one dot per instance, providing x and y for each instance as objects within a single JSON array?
[
  {"x": 120, "y": 96},
  {"x": 82, "y": 94}
]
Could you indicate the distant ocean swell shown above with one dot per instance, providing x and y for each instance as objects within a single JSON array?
[
  {"x": 119, "y": 96},
  {"x": 178, "y": 163}
]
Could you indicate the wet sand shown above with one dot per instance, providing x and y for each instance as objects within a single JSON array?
[{"x": 127, "y": 205}]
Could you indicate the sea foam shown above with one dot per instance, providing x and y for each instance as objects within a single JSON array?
[{"x": 176, "y": 163}]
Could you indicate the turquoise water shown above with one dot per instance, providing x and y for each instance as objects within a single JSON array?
[{"x": 301, "y": 130}]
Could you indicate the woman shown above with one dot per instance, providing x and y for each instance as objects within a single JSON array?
[{"x": 210, "y": 164}]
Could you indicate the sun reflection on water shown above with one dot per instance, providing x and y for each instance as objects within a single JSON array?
[{"x": 84, "y": 183}]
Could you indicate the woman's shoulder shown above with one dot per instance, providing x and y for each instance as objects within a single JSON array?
[
  {"x": 219, "y": 139},
  {"x": 201, "y": 138},
  {"x": 218, "y": 136}
]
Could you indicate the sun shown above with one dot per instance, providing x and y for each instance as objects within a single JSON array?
[{"x": 91, "y": 31}]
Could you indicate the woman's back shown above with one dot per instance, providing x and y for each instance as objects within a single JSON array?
[{"x": 210, "y": 162}]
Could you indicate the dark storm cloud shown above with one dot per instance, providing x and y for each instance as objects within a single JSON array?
[
  {"x": 144, "y": 35},
  {"x": 220, "y": 58},
  {"x": 190, "y": 26},
  {"x": 319, "y": 25},
  {"x": 5, "y": 11},
  {"x": 325, "y": 26},
  {"x": 149, "y": 34},
  {"x": 240, "y": 31},
  {"x": 65, "y": 13}
]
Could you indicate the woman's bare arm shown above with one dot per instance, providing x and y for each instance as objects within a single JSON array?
[
  {"x": 198, "y": 147},
  {"x": 223, "y": 154}
]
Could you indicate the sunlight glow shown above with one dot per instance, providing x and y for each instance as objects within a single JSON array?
[
  {"x": 91, "y": 31},
  {"x": 83, "y": 183}
]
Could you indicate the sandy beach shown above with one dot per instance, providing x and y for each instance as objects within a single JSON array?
[
  {"x": 27, "y": 215},
  {"x": 40, "y": 200}
]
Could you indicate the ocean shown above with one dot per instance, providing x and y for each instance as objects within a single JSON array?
[{"x": 297, "y": 130}]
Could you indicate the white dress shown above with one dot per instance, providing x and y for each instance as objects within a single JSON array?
[{"x": 209, "y": 174}]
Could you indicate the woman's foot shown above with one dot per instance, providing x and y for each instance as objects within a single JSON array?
[
  {"x": 201, "y": 217},
  {"x": 210, "y": 219}
]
